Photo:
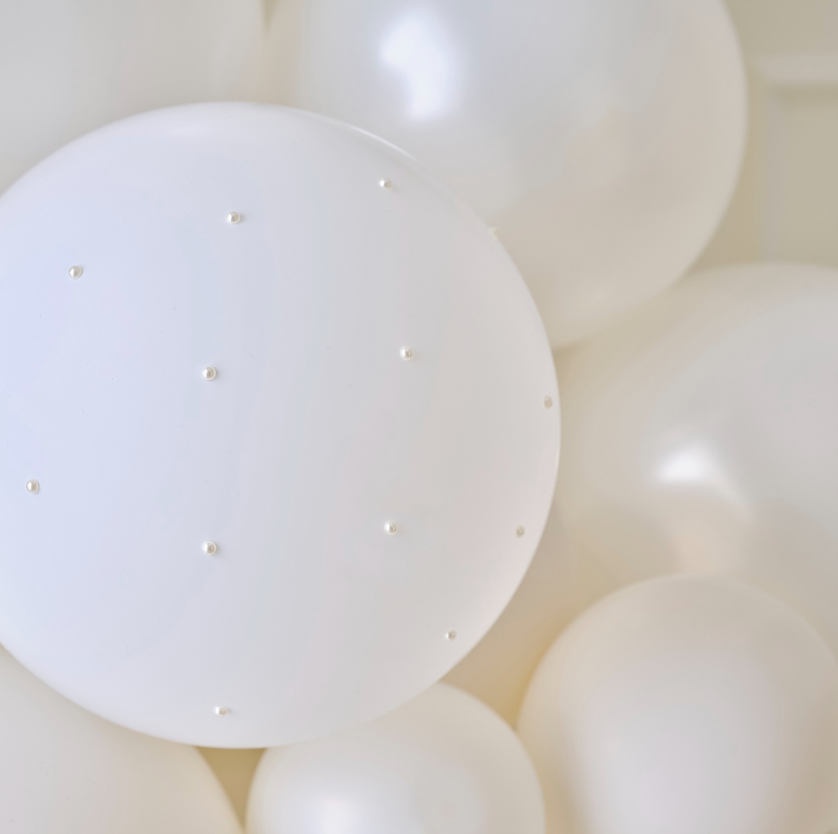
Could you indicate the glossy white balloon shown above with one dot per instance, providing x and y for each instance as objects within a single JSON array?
[
  {"x": 444, "y": 763},
  {"x": 65, "y": 770},
  {"x": 686, "y": 704},
  {"x": 602, "y": 138},
  {"x": 246, "y": 385},
  {"x": 499, "y": 668},
  {"x": 700, "y": 437},
  {"x": 70, "y": 66}
]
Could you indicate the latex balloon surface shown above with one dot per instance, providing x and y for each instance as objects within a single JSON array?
[
  {"x": 74, "y": 65},
  {"x": 278, "y": 428},
  {"x": 602, "y": 138},
  {"x": 700, "y": 437},
  {"x": 444, "y": 763},
  {"x": 686, "y": 704},
  {"x": 499, "y": 668},
  {"x": 63, "y": 769}
]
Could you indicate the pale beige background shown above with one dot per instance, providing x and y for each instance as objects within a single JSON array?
[{"x": 785, "y": 207}]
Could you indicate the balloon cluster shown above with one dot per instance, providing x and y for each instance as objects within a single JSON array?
[{"x": 279, "y": 427}]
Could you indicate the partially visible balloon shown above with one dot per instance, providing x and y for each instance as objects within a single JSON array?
[
  {"x": 287, "y": 416},
  {"x": 499, "y": 668},
  {"x": 701, "y": 437},
  {"x": 70, "y": 66},
  {"x": 602, "y": 137},
  {"x": 686, "y": 704},
  {"x": 62, "y": 769},
  {"x": 443, "y": 763}
]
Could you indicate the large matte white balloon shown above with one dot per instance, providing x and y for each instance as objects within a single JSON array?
[
  {"x": 65, "y": 770},
  {"x": 444, "y": 763},
  {"x": 602, "y": 137},
  {"x": 686, "y": 704},
  {"x": 69, "y": 66},
  {"x": 292, "y": 415},
  {"x": 499, "y": 668},
  {"x": 700, "y": 437}
]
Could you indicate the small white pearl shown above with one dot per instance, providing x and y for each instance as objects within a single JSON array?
[
  {"x": 221, "y": 711},
  {"x": 234, "y": 217},
  {"x": 406, "y": 353},
  {"x": 519, "y": 531},
  {"x": 494, "y": 231},
  {"x": 32, "y": 486},
  {"x": 209, "y": 373},
  {"x": 385, "y": 184},
  {"x": 75, "y": 271},
  {"x": 451, "y": 635},
  {"x": 548, "y": 401},
  {"x": 391, "y": 528},
  {"x": 209, "y": 548}
]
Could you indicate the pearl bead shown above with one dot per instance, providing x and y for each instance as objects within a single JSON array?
[
  {"x": 451, "y": 635},
  {"x": 221, "y": 711},
  {"x": 209, "y": 373},
  {"x": 548, "y": 401},
  {"x": 519, "y": 531},
  {"x": 391, "y": 528},
  {"x": 385, "y": 184},
  {"x": 75, "y": 271},
  {"x": 32, "y": 486},
  {"x": 406, "y": 353},
  {"x": 209, "y": 548},
  {"x": 234, "y": 217}
]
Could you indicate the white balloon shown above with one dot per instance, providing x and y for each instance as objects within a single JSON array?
[
  {"x": 686, "y": 704},
  {"x": 295, "y": 425},
  {"x": 700, "y": 437},
  {"x": 64, "y": 770},
  {"x": 443, "y": 763},
  {"x": 499, "y": 668},
  {"x": 602, "y": 137},
  {"x": 70, "y": 66}
]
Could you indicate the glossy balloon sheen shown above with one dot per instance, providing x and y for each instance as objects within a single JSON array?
[
  {"x": 74, "y": 65},
  {"x": 700, "y": 437},
  {"x": 686, "y": 704},
  {"x": 444, "y": 763},
  {"x": 65, "y": 770},
  {"x": 314, "y": 438},
  {"x": 602, "y": 137}
]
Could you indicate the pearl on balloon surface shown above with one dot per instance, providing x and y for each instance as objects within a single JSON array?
[
  {"x": 320, "y": 437},
  {"x": 519, "y": 531},
  {"x": 33, "y": 486},
  {"x": 209, "y": 548},
  {"x": 65, "y": 770},
  {"x": 451, "y": 635},
  {"x": 406, "y": 353},
  {"x": 386, "y": 184},
  {"x": 75, "y": 271},
  {"x": 548, "y": 401},
  {"x": 234, "y": 217},
  {"x": 221, "y": 711}
]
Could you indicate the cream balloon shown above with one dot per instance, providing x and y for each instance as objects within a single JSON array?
[
  {"x": 63, "y": 769},
  {"x": 74, "y": 65},
  {"x": 700, "y": 437},
  {"x": 499, "y": 668},
  {"x": 602, "y": 137},
  {"x": 686, "y": 704},
  {"x": 292, "y": 415},
  {"x": 443, "y": 763}
]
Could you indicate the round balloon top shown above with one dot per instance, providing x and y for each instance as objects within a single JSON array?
[{"x": 279, "y": 425}]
